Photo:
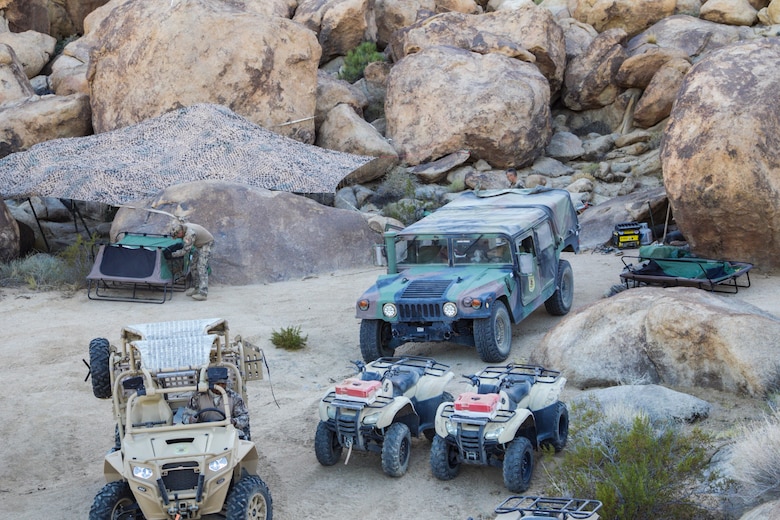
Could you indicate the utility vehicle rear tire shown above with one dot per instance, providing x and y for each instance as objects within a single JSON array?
[
  {"x": 445, "y": 464},
  {"x": 374, "y": 340},
  {"x": 560, "y": 302},
  {"x": 430, "y": 433},
  {"x": 396, "y": 449},
  {"x": 326, "y": 445},
  {"x": 518, "y": 465},
  {"x": 493, "y": 335},
  {"x": 249, "y": 498},
  {"x": 98, "y": 366},
  {"x": 112, "y": 501},
  {"x": 560, "y": 433}
]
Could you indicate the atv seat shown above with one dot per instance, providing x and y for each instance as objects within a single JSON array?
[
  {"x": 487, "y": 389},
  {"x": 370, "y": 376},
  {"x": 149, "y": 411},
  {"x": 403, "y": 381},
  {"x": 516, "y": 388}
]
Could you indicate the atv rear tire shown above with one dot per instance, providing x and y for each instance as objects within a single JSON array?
[
  {"x": 249, "y": 498},
  {"x": 396, "y": 449},
  {"x": 560, "y": 433},
  {"x": 98, "y": 366},
  {"x": 374, "y": 340},
  {"x": 113, "y": 501},
  {"x": 326, "y": 445},
  {"x": 560, "y": 302},
  {"x": 445, "y": 464},
  {"x": 493, "y": 335},
  {"x": 518, "y": 465}
]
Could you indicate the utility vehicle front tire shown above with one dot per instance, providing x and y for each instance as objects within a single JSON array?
[
  {"x": 99, "y": 367},
  {"x": 112, "y": 502},
  {"x": 560, "y": 302},
  {"x": 560, "y": 433},
  {"x": 375, "y": 339},
  {"x": 518, "y": 465},
  {"x": 396, "y": 449},
  {"x": 249, "y": 498},
  {"x": 326, "y": 445},
  {"x": 445, "y": 464},
  {"x": 493, "y": 335}
]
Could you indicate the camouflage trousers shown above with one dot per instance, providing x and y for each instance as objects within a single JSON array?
[{"x": 199, "y": 267}]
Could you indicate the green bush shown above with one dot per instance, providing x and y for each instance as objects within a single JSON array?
[
  {"x": 636, "y": 469},
  {"x": 289, "y": 338},
  {"x": 356, "y": 60},
  {"x": 397, "y": 185},
  {"x": 42, "y": 271}
]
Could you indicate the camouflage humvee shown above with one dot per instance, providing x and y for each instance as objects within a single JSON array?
[{"x": 470, "y": 270}]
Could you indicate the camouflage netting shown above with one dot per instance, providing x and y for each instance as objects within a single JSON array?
[{"x": 199, "y": 142}]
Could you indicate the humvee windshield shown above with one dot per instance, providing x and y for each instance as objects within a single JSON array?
[{"x": 453, "y": 250}]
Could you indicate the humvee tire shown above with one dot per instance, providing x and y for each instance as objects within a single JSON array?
[
  {"x": 374, "y": 338},
  {"x": 559, "y": 304},
  {"x": 493, "y": 335}
]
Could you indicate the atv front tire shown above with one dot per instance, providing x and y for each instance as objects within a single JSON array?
[
  {"x": 445, "y": 464},
  {"x": 518, "y": 465},
  {"x": 375, "y": 339},
  {"x": 493, "y": 335},
  {"x": 559, "y": 304},
  {"x": 327, "y": 447},
  {"x": 396, "y": 449},
  {"x": 250, "y": 498},
  {"x": 113, "y": 501},
  {"x": 99, "y": 367}
]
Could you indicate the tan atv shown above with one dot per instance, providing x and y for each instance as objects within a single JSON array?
[
  {"x": 162, "y": 468},
  {"x": 511, "y": 411},
  {"x": 380, "y": 408},
  {"x": 545, "y": 508}
]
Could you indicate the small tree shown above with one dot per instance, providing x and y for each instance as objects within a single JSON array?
[{"x": 356, "y": 60}]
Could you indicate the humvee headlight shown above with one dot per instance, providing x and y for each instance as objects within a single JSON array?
[
  {"x": 450, "y": 309},
  {"x": 493, "y": 435},
  {"x": 474, "y": 303},
  {"x": 217, "y": 464},
  {"x": 142, "y": 472},
  {"x": 371, "y": 419},
  {"x": 363, "y": 305},
  {"x": 389, "y": 310}
]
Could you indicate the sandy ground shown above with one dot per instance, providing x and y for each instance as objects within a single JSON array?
[{"x": 55, "y": 433}]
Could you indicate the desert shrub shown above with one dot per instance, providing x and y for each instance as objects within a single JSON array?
[
  {"x": 289, "y": 338},
  {"x": 38, "y": 272},
  {"x": 584, "y": 174},
  {"x": 636, "y": 469},
  {"x": 756, "y": 458},
  {"x": 356, "y": 60},
  {"x": 396, "y": 185}
]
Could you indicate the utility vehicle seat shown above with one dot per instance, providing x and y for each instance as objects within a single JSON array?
[{"x": 149, "y": 411}]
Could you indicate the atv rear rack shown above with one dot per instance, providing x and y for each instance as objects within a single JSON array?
[{"x": 550, "y": 507}]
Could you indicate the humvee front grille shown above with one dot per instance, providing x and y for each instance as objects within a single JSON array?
[
  {"x": 184, "y": 476},
  {"x": 426, "y": 289},
  {"x": 419, "y": 311}
]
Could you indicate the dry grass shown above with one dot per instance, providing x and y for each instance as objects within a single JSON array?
[{"x": 756, "y": 457}]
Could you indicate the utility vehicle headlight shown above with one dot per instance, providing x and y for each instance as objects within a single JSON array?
[
  {"x": 371, "y": 419},
  {"x": 451, "y": 428},
  {"x": 389, "y": 310},
  {"x": 450, "y": 309},
  {"x": 217, "y": 464},
  {"x": 493, "y": 435},
  {"x": 142, "y": 472}
]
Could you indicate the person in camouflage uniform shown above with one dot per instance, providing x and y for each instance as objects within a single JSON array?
[
  {"x": 212, "y": 398},
  {"x": 198, "y": 240}
]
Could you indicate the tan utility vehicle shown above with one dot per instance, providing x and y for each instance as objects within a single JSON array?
[{"x": 162, "y": 468}]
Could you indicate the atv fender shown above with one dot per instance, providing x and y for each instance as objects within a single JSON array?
[
  {"x": 246, "y": 452},
  {"x": 543, "y": 395},
  {"x": 399, "y": 407},
  {"x": 523, "y": 419},
  {"x": 113, "y": 466},
  {"x": 432, "y": 386}
]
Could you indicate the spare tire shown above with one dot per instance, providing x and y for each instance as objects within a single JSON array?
[{"x": 99, "y": 367}]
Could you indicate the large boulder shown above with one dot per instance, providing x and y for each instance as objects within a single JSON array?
[
  {"x": 510, "y": 126},
  {"x": 691, "y": 35},
  {"x": 260, "y": 236},
  {"x": 33, "y": 49},
  {"x": 529, "y": 33},
  {"x": 630, "y": 15},
  {"x": 340, "y": 25},
  {"x": 33, "y": 120},
  {"x": 9, "y": 234},
  {"x": 149, "y": 57},
  {"x": 14, "y": 83},
  {"x": 591, "y": 77},
  {"x": 721, "y": 151},
  {"x": 392, "y": 15},
  {"x": 676, "y": 337}
]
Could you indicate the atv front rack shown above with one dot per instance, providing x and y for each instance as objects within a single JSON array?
[
  {"x": 552, "y": 507},
  {"x": 423, "y": 365}
]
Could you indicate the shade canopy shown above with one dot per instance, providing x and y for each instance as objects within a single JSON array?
[{"x": 198, "y": 142}]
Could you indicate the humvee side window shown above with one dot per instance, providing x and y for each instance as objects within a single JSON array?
[{"x": 544, "y": 236}]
